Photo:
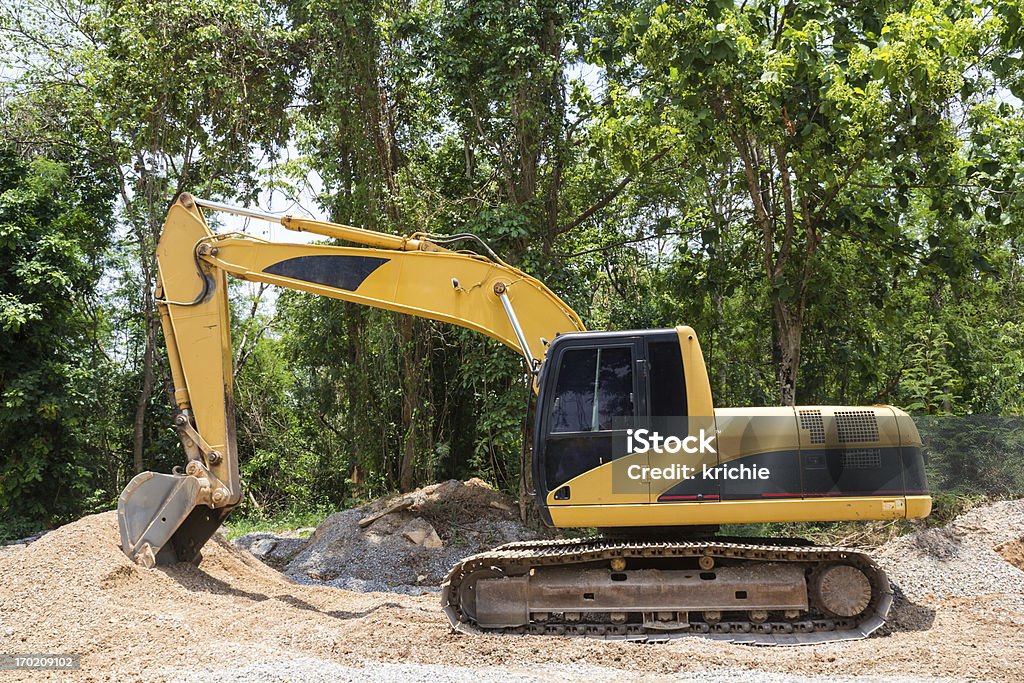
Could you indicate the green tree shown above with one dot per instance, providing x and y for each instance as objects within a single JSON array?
[
  {"x": 54, "y": 230},
  {"x": 168, "y": 96},
  {"x": 816, "y": 99}
]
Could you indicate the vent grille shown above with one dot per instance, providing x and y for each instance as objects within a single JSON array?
[
  {"x": 862, "y": 458},
  {"x": 811, "y": 421},
  {"x": 856, "y": 426}
]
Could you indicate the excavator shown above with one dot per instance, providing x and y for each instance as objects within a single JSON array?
[{"x": 626, "y": 439}]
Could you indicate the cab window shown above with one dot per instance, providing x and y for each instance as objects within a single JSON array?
[
  {"x": 594, "y": 386},
  {"x": 667, "y": 385}
]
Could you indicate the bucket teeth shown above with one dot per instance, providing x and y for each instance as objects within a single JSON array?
[{"x": 163, "y": 519}]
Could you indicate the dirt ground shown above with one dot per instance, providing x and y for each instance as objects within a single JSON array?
[
  {"x": 1013, "y": 552},
  {"x": 234, "y": 618}
]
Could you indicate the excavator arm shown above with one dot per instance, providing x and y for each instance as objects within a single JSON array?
[{"x": 165, "y": 518}]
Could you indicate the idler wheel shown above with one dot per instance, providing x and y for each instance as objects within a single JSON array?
[
  {"x": 841, "y": 590},
  {"x": 467, "y": 590}
]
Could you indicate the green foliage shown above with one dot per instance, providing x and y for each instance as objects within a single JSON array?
[
  {"x": 829, "y": 193},
  {"x": 53, "y": 230},
  {"x": 298, "y": 516},
  {"x": 976, "y": 454}
]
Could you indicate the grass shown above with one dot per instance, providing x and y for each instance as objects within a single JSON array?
[{"x": 288, "y": 519}]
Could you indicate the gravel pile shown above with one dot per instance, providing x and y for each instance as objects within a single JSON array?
[
  {"x": 408, "y": 543},
  {"x": 959, "y": 560}
]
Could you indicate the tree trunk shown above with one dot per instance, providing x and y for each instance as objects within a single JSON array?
[
  {"x": 787, "y": 328},
  {"x": 410, "y": 393},
  {"x": 525, "y": 462},
  {"x": 144, "y": 394},
  {"x": 787, "y": 315},
  {"x": 716, "y": 339}
]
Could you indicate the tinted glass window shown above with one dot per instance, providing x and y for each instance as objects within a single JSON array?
[
  {"x": 571, "y": 456},
  {"x": 615, "y": 385},
  {"x": 594, "y": 386},
  {"x": 668, "y": 389}
]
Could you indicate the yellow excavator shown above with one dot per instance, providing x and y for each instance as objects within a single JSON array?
[{"x": 626, "y": 438}]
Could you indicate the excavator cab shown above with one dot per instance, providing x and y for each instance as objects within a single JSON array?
[
  {"x": 597, "y": 387},
  {"x": 613, "y": 409}
]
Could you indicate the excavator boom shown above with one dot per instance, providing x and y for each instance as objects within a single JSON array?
[{"x": 168, "y": 517}]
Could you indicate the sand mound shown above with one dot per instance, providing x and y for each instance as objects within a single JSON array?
[{"x": 74, "y": 591}]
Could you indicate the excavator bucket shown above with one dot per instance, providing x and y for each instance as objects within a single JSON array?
[{"x": 161, "y": 522}]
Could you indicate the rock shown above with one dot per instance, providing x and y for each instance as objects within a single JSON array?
[
  {"x": 402, "y": 504},
  {"x": 420, "y": 532},
  {"x": 266, "y": 546},
  {"x": 498, "y": 505},
  {"x": 445, "y": 488},
  {"x": 263, "y": 548}
]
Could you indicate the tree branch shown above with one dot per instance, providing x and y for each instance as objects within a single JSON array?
[
  {"x": 787, "y": 199},
  {"x": 610, "y": 196}
]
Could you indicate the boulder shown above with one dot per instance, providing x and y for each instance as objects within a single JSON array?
[
  {"x": 270, "y": 547},
  {"x": 420, "y": 532}
]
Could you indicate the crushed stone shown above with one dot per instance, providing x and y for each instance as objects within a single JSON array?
[
  {"x": 233, "y": 617},
  {"x": 960, "y": 559},
  {"x": 384, "y": 555}
]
